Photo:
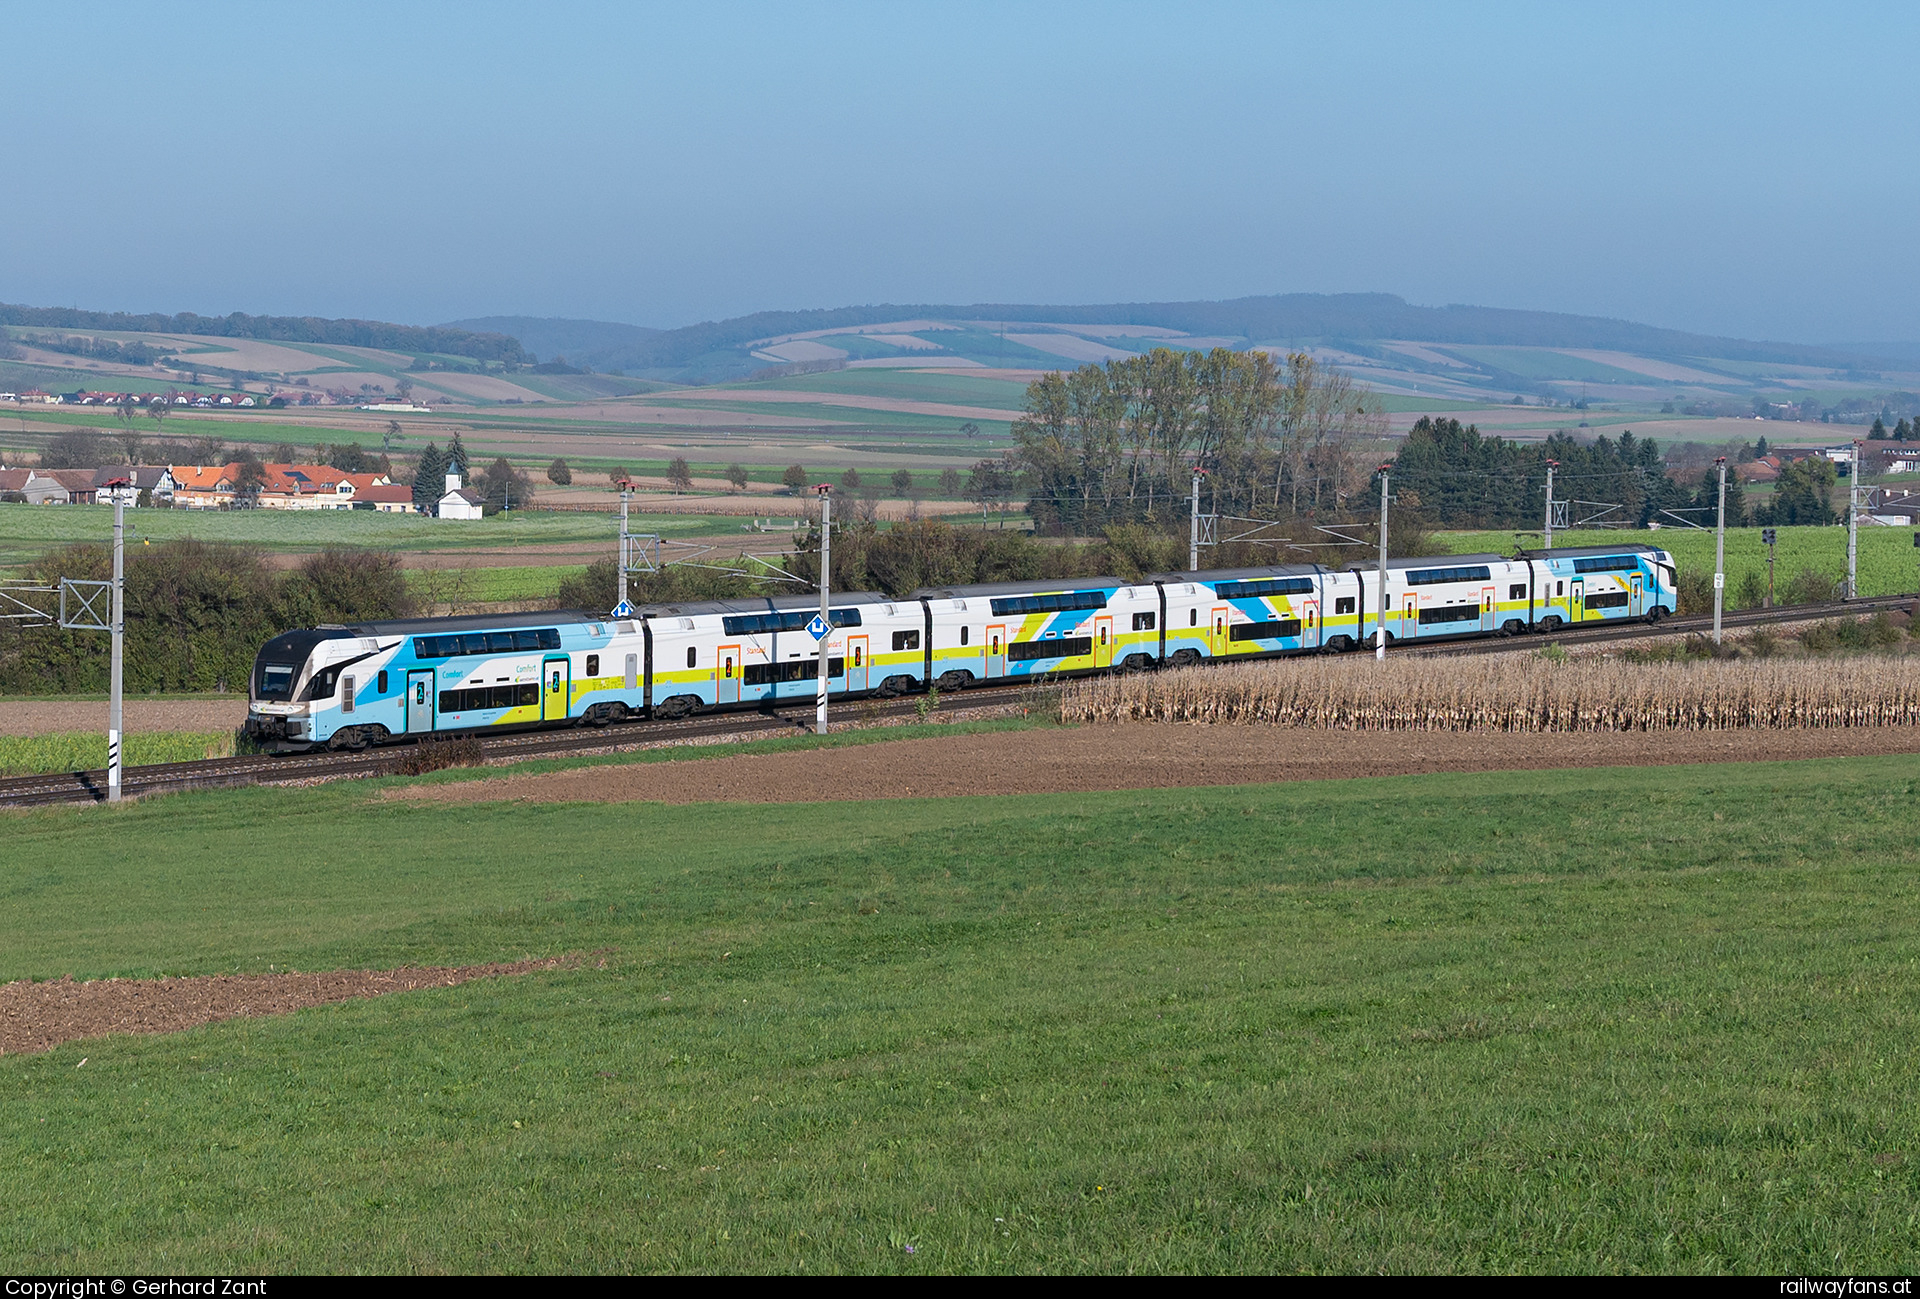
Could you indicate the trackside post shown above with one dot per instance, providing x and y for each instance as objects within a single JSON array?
[
  {"x": 1380, "y": 632},
  {"x": 825, "y": 633}
]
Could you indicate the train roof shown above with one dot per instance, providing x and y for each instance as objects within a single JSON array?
[
  {"x": 1240, "y": 574},
  {"x": 1576, "y": 552},
  {"x": 466, "y": 622},
  {"x": 1432, "y": 561},
  {"x": 1038, "y": 586},
  {"x": 764, "y": 604}
]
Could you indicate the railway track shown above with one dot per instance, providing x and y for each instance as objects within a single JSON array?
[{"x": 83, "y": 787}]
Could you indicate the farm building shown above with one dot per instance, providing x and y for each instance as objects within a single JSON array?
[
  {"x": 31, "y": 486},
  {"x": 387, "y": 498}
]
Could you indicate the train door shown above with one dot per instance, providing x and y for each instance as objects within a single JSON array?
[
  {"x": 996, "y": 652},
  {"x": 1219, "y": 637},
  {"x": 1410, "y": 615},
  {"x": 1576, "y": 603},
  {"x": 1488, "y": 613},
  {"x": 726, "y": 674},
  {"x": 1309, "y": 624},
  {"x": 1103, "y": 642},
  {"x": 1634, "y": 597},
  {"x": 555, "y": 686},
  {"x": 856, "y": 662},
  {"x": 419, "y": 702}
]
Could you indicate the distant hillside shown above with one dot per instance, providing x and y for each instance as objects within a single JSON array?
[
  {"x": 717, "y": 350},
  {"x": 600, "y": 344},
  {"x": 442, "y": 339}
]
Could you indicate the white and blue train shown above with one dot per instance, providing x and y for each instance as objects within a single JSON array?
[{"x": 346, "y": 687}]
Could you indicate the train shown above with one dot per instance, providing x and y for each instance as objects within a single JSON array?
[{"x": 355, "y": 685}]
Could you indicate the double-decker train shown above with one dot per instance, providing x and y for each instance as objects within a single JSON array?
[{"x": 346, "y": 687}]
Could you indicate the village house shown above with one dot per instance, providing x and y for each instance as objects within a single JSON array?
[
  {"x": 204, "y": 487},
  {"x": 156, "y": 481},
  {"x": 387, "y": 498},
  {"x": 32, "y": 487}
]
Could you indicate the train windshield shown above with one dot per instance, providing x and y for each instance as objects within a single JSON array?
[{"x": 276, "y": 681}]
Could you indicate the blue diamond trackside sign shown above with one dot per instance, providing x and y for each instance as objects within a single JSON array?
[{"x": 818, "y": 627}]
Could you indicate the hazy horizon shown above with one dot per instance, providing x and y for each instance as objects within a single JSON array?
[{"x": 1727, "y": 170}]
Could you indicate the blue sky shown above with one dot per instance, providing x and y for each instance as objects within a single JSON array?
[{"x": 1741, "y": 169}]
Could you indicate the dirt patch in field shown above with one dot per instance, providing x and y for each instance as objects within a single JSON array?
[
  {"x": 40, "y": 1016},
  {"x": 48, "y": 717},
  {"x": 1143, "y": 756}
]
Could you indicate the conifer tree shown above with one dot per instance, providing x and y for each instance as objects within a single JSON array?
[{"x": 429, "y": 479}]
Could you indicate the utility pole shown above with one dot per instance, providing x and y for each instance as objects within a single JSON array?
[
  {"x": 1853, "y": 523},
  {"x": 826, "y": 618},
  {"x": 1551, "y": 466},
  {"x": 1720, "y": 551},
  {"x": 626, "y": 491},
  {"x": 118, "y": 620},
  {"x": 1380, "y": 632},
  {"x": 1770, "y": 536},
  {"x": 1193, "y": 525}
]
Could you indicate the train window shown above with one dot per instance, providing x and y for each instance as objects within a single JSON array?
[
  {"x": 500, "y": 642},
  {"x": 906, "y": 640},
  {"x": 1518, "y": 591},
  {"x": 963, "y": 635},
  {"x": 1468, "y": 573},
  {"x": 692, "y": 655},
  {"x": 765, "y": 674},
  {"x": 1343, "y": 604},
  {"x": 1061, "y": 603},
  {"x": 1559, "y": 588},
  {"x": 276, "y": 681},
  {"x": 380, "y": 684},
  {"x": 1610, "y": 564},
  {"x": 1270, "y": 586},
  {"x": 1026, "y": 651},
  {"x": 729, "y": 667},
  {"x": 480, "y": 642},
  {"x": 322, "y": 684},
  {"x": 553, "y": 682},
  {"x": 859, "y": 655},
  {"x": 346, "y": 692},
  {"x": 1143, "y": 621},
  {"x": 526, "y": 640},
  {"x": 1608, "y": 600},
  {"x": 593, "y": 665},
  {"x": 1193, "y": 617},
  {"x": 1271, "y": 630},
  {"x": 760, "y": 623},
  {"x": 1449, "y": 613}
]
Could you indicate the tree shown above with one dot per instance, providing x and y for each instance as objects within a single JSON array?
[
  {"x": 902, "y": 481},
  {"x": 1878, "y": 433},
  {"x": 429, "y": 479},
  {"x": 850, "y": 479},
  {"x": 132, "y": 442},
  {"x": 388, "y": 437},
  {"x": 737, "y": 475},
  {"x": 679, "y": 475},
  {"x": 81, "y": 448},
  {"x": 559, "y": 475},
  {"x": 949, "y": 481},
  {"x": 404, "y": 389},
  {"x": 504, "y": 487},
  {"x": 970, "y": 429},
  {"x": 1803, "y": 492},
  {"x": 1902, "y": 431},
  {"x": 794, "y": 479},
  {"x": 1760, "y": 447},
  {"x": 617, "y": 475},
  {"x": 248, "y": 480},
  {"x": 456, "y": 462},
  {"x": 990, "y": 484},
  {"x": 161, "y": 407}
]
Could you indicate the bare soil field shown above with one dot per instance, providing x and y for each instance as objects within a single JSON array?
[
  {"x": 1061, "y": 760},
  {"x": 852, "y": 401},
  {"x": 40, "y": 1016},
  {"x": 37, "y": 717}
]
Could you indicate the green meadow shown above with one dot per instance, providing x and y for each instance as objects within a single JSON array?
[
  {"x": 1888, "y": 562},
  {"x": 1643, "y": 1020}
]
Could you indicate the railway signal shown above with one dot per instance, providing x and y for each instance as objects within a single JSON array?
[{"x": 1769, "y": 536}]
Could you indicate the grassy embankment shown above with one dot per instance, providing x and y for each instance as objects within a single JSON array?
[
  {"x": 29, "y": 755},
  {"x": 1888, "y": 560},
  {"x": 1639, "y": 1021}
]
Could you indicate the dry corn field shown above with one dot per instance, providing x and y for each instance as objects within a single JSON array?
[{"x": 1358, "y": 694}]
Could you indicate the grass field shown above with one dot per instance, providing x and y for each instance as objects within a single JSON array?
[
  {"x": 1644, "y": 1020},
  {"x": 31, "y": 755},
  {"x": 1888, "y": 560},
  {"x": 491, "y": 585}
]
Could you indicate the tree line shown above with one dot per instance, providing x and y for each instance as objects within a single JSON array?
[{"x": 197, "y": 613}]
